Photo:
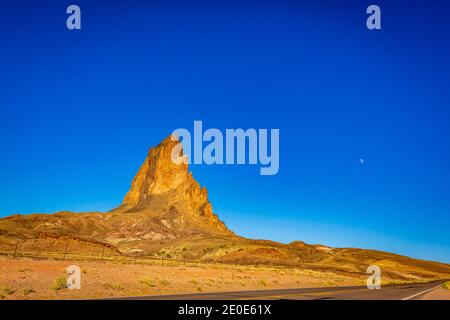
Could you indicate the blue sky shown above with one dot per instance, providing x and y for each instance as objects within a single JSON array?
[{"x": 79, "y": 110}]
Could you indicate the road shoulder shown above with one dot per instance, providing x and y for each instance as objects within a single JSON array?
[{"x": 436, "y": 294}]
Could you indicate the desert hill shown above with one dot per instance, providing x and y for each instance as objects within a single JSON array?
[{"x": 166, "y": 213}]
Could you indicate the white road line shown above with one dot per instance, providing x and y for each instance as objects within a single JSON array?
[{"x": 420, "y": 293}]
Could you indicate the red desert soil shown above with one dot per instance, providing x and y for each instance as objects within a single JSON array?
[{"x": 28, "y": 279}]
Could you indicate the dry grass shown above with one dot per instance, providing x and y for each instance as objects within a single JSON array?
[
  {"x": 148, "y": 282},
  {"x": 262, "y": 283},
  {"x": 59, "y": 283},
  {"x": 113, "y": 286},
  {"x": 28, "y": 291},
  {"x": 7, "y": 291},
  {"x": 446, "y": 285},
  {"x": 46, "y": 279}
]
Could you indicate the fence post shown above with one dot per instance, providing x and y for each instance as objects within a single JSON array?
[
  {"x": 103, "y": 252},
  {"x": 65, "y": 251},
  {"x": 15, "y": 250},
  {"x": 135, "y": 257}
]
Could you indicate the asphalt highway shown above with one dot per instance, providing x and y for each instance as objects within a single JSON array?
[{"x": 395, "y": 292}]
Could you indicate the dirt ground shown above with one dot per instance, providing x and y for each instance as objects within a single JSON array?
[
  {"x": 437, "y": 294},
  {"x": 29, "y": 279}
]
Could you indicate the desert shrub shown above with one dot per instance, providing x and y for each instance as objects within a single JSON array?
[
  {"x": 113, "y": 286},
  {"x": 446, "y": 285},
  {"x": 59, "y": 283},
  {"x": 164, "y": 282},
  {"x": 262, "y": 282},
  {"x": 7, "y": 291},
  {"x": 27, "y": 291},
  {"x": 148, "y": 282}
]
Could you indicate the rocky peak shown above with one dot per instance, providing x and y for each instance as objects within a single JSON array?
[
  {"x": 158, "y": 174},
  {"x": 169, "y": 184}
]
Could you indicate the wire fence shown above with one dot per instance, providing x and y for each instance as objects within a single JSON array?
[{"x": 106, "y": 253}]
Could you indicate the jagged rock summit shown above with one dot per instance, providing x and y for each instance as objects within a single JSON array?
[
  {"x": 164, "y": 203},
  {"x": 162, "y": 184},
  {"x": 158, "y": 174}
]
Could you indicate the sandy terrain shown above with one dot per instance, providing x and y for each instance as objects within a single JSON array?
[
  {"x": 28, "y": 279},
  {"x": 437, "y": 294}
]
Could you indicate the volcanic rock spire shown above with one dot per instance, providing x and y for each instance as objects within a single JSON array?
[{"x": 161, "y": 184}]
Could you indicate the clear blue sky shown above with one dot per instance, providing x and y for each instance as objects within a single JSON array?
[{"x": 78, "y": 111}]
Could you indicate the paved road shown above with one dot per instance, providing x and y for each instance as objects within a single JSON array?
[{"x": 398, "y": 292}]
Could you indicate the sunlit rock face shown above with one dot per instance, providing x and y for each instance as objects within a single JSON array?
[{"x": 162, "y": 183}]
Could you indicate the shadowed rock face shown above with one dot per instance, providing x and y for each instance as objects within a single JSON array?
[{"x": 162, "y": 182}]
